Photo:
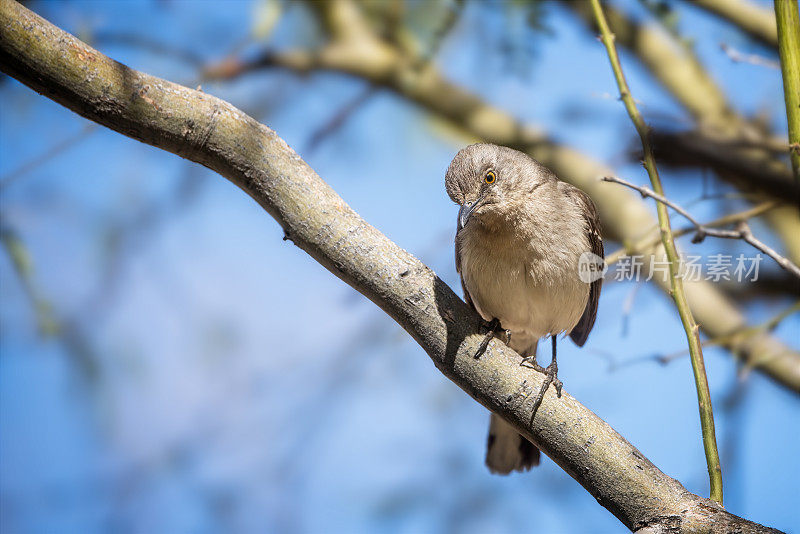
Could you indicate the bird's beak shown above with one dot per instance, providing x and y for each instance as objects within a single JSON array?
[{"x": 465, "y": 211}]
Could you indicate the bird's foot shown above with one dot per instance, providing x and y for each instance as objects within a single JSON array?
[
  {"x": 551, "y": 377},
  {"x": 492, "y": 327},
  {"x": 531, "y": 363}
]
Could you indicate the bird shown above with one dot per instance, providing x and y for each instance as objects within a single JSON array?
[{"x": 523, "y": 241}]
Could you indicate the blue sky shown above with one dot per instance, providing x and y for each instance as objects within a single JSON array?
[{"x": 233, "y": 383}]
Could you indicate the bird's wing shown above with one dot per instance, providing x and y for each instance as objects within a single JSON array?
[
  {"x": 467, "y": 298},
  {"x": 586, "y": 322}
]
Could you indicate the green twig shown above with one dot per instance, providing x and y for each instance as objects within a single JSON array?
[
  {"x": 676, "y": 284},
  {"x": 789, "y": 48}
]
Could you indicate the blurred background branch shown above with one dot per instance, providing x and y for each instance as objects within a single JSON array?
[{"x": 754, "y": 20}]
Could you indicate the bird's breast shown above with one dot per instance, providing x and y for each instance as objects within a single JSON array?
[{"x": 533, "y": 292}]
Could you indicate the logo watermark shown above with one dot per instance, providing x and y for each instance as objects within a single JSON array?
[{"x": 591, "y": 267}]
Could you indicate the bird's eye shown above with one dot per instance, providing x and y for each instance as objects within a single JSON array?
[{"x": 490, "y": 177}]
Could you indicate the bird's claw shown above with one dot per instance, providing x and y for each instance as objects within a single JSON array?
[
  {"x": 552, "y": 373},
  {"x": 531, "y": 363},
  {"x": 551, "y": 377},
  {"x": 492, "y": 327}
]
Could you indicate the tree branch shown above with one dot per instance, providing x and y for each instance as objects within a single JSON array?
[
  {"x": 623, "y": 215},
  {"x": 211, "y": 132}
]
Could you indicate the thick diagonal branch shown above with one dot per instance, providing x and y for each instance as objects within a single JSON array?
[{"x": 206, "y": 130}]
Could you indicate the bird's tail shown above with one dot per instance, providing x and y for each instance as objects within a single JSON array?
[{"x": 506, "y": 449}]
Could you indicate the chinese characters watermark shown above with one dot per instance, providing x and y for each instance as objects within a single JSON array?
[{"x": 718, "y": 267}]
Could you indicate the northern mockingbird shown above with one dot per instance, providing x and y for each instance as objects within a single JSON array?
[{"x": 530, "y": 256}]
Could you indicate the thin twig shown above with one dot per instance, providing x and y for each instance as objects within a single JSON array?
[
  {"x": 742, "y": 230},
  {"x": 340, "y": 118},
  {"x": 676, "y": 284},
  {"x": 49, "y": 154},
  {"x": 651, "y": 241},
  {"x": 753, "y": 59}
]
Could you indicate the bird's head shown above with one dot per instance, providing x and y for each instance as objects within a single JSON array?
[{"x": 491, "y": 182}]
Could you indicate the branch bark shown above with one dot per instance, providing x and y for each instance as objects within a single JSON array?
[
  {"x": 353, "y": 50},
  {"x": 209, "y": 131}
]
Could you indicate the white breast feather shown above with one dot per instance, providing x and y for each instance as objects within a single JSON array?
[{"x": 532, "y": 292}]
